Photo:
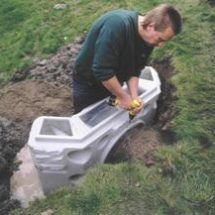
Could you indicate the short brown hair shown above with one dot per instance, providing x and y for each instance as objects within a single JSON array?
[{"x": 164, "y": 16}]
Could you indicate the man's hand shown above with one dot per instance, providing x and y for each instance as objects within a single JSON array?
[
  {"x": 138, "y": 105},
  {"x": 133, "y": 89},
  {"x": 124, "y": 100}
]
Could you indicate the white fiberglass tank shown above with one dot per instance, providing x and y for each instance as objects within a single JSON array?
[{"x": 63, "y": 148}]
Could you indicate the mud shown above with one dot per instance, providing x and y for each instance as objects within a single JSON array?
[{"x": 45, "y": 89}]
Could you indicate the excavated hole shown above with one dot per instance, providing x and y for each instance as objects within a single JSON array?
[
  {"x": 139, "y": 143},
  {"x": 45, "y": 89}
]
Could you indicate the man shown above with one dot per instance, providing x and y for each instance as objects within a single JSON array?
[{"x": 116, "y": 50}]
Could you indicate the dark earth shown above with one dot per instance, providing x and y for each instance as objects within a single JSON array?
[
  {"x": 211, "y": 2},
  {"x": 45, "y": 89}
]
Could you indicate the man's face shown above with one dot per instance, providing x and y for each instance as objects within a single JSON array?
[{"x": 157, "y": 38}]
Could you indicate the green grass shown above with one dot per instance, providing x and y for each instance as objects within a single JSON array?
[
  {"x": 32, "y": 30},
  {"x": 182, "y": 181}
]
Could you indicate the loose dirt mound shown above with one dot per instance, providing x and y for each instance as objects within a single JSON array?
[
  {"x": 58, "y": 68},
  {"x": 138, "y": 144},
  {"x": 27, "y": 100}
]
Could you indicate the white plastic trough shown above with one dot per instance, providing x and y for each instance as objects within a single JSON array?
[{"x": 63, "y": 148}]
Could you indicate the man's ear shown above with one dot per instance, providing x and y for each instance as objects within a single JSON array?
[{"x": 151, "y": 26}]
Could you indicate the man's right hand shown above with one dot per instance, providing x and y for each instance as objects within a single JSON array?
[
  {"x": 113, "y": 85},
  {"x": 124, "y": 101}
]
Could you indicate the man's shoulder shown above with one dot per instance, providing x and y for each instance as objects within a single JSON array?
[
  {"x": 118, "y": 18},
  {"x": 120, "y": 14}
]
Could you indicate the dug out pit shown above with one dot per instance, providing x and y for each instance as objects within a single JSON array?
[{"x": 45, "y": 89}]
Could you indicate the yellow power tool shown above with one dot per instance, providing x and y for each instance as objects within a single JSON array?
[{"x": 135, "y": 104}]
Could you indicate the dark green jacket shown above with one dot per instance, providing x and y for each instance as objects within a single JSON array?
[{"x": 113, "y": 47}]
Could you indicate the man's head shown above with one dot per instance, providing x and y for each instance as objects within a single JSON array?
[{"x": 160, "y": 24}]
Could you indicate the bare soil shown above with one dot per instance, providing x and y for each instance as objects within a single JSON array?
[
  {"x": 45, "y": 89},
  {"x": 211, "y": 2},
  {"x": 27, "y": 100},
  {"x": 138, "y": 144}
]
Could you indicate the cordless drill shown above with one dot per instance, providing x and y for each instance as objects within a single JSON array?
[{"x": 134, "y": 104}]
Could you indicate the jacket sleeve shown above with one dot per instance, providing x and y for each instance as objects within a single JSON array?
[
  {"x": 143, "y": 60},
  {"x": 107, "y": 49}
]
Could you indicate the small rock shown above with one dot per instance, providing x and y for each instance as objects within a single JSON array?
[
  {"x": 166, "y": 126},
  {"x": 42, "y": 63},
  {"x": 137, "y": 184},
  {"x": 149, "y": 162},
  {"x": 48, "y": 212},
  {"x": 60, "y": 6}
]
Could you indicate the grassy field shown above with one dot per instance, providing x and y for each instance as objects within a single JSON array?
[{"x": 182, "y": 181}]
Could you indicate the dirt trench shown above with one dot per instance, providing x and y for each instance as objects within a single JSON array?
[{"x": 45, "y": 89}]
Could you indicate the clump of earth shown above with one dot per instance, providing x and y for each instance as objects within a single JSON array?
[
  {"x": 211, "y": 2},
  {"x": 46, "y": 89}
]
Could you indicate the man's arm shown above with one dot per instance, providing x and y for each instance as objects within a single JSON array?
[
  {"x": 133, "y": 86},
  {"x": 133, "y": 89},
  {"x": 116, "y": 89}
]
